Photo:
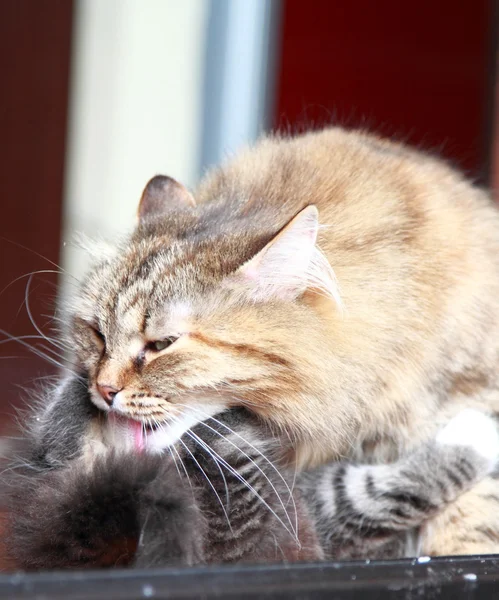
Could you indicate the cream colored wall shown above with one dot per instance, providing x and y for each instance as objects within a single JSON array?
[
  {"x": 158, "y": 86},
  {"x": 134, "y": 109}
]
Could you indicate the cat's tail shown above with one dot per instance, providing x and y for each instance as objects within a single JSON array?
[{"x": 120, "y": 510}]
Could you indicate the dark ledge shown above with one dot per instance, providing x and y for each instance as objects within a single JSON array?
[{"x": 470, "y": 578}]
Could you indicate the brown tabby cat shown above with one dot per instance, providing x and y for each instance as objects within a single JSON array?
[{"x": 231, "y": 300}]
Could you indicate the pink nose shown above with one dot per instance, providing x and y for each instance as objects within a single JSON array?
[{"x": 108, "y": 392}]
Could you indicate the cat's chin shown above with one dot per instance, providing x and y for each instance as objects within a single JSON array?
[{"x": 126, "y": 433}]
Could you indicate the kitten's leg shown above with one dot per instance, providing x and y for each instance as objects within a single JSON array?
[
  {"x": 173, "y": 529},
  {"x": 367, "y": 511}
]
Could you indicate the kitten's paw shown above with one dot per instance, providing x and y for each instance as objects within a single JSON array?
[{"x": 475, "y": 429}]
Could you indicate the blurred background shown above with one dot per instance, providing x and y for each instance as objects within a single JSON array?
[{"x": 100, "y": 95}]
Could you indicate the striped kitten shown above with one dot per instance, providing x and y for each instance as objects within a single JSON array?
[
  {"x": 87, "y": 495},
  {"x": 227, "y": 298}
]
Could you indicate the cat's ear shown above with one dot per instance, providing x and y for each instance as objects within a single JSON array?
[
  {"x": 290, "y": 263},
  {"x": 163, "y": 194}
]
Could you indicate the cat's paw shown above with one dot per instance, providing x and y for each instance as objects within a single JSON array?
[{"x": 474, "y": 429}]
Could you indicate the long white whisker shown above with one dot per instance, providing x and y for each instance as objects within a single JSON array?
[
  {"x": 172, "y": 449},
  {"x": 28, "y": 275},
  {"x": 269, "y": 462},
  {"x": 39, "y": 353},
  {"x": 209, "y": 482},
  {"x": 295, "y": 473},
  {"x": 31, "y": 318},
  {"x": 51, "y": 350},
  {"x": 21, "y": 337},
  {"x": 60, "y": 269},
  {"x": 227, "y": 496},
  {"x": 238, "y": 476},
  {"x": 215, "y": 460}
]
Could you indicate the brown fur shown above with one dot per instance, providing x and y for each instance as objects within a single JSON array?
[{"x": 415, "y": 249}]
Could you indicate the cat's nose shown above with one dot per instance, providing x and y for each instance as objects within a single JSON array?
[{"x": 108, "y": 392}]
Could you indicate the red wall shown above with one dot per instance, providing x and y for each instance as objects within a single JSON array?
[
  {"x": 35, "y": 41},
  {"x": 414, "y": 69}
]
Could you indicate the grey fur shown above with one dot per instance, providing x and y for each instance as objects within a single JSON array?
[
  {"x": 150, "y": 511},
  {"x": 381, "y": 507}
]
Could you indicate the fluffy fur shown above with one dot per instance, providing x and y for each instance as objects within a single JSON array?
[
  {"x": 239, "y": 292},
  {"x": 82, "y": 497}
]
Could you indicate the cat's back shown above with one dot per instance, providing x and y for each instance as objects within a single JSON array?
[
  {"x": 329, "y": 168},
  {"x": 387, "y": 212},
  {"x": 413, "y": 243}
]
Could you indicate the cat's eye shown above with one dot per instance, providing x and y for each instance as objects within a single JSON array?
[{"x": 159, "y": 345}]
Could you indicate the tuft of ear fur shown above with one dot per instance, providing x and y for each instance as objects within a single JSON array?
[
  {"x": 291, "y": 263},
  {"x": 97, "y": 249},
  {"x": 163, "y": 194}
]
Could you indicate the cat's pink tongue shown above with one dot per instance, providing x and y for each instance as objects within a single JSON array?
[
  {"x": 133, "y": 429},
  {"x": 138, "y": 436}
]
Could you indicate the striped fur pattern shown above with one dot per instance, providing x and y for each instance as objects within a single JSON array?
[
  {"x": 387, "y": 508},
  {"x": 82, "y": 498},
  {"x": 213, "y": 498},
  {"x": 341, "y": 287}
]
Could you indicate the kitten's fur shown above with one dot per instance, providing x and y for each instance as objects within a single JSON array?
[
  {"x": 363, "y": 363},
  {"x": 75, "y": 504}
]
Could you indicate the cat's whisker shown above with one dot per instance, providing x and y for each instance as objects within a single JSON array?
[
  {"x": 51, "y": 319},
  {"x": 21, "y": 337},
  {"x": 52, "y": 378},
  {"x": 38, "y": 348},
  {"x": 209, "y": 482},
  {"x": 60, "y": 270},
  {"x": 41, "y": 272},
  {"x": 295, "y": 475},
  {"x": 31, "y": 318},
  {"x": 172, "y": 449},
  {"x": 174, "y": 461},
  {"x": 290, "y": 497},
  {"x": 269, "y": 462},
  {"x": 238, "y": 476},
  {"x": 60, "y": 343},
  {"x": 218, "y": 466},
  {"x": 66, "y": 366},
  {"x": 51, "y": 350},
  {"x": 220, "y": 461},
  {"x": 57, "y": 319},
  {"x": 143, "y": 431},
  {"x": 227, "y": 495},
  {"x": 39, "y": 353}
]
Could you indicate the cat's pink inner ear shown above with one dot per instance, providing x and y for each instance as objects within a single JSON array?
[
  {"x": 282, "y": 268},
  {"x": 163, "y": 194}
]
